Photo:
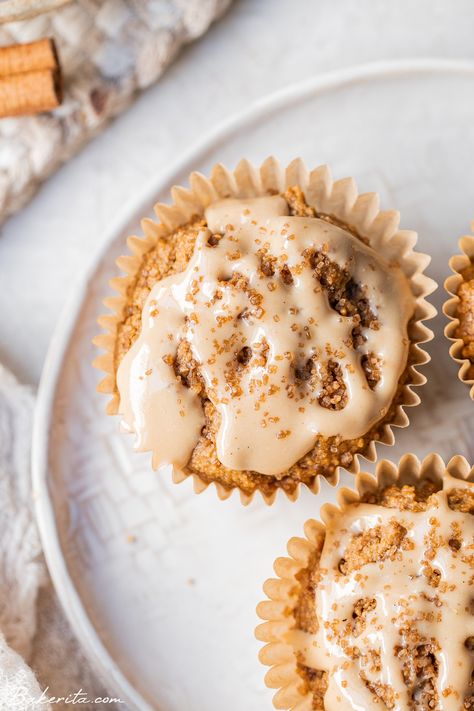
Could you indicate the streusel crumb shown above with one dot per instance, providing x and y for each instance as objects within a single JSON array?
[
  {"x": 465, "y": 314},
  {"x": 417, "y": 654}
]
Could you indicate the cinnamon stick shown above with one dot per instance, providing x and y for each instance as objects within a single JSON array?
[
  {"x": 31, "y": 57},
  {"x": 29, "y": 93},
  {"x": 30, "y": 78}
]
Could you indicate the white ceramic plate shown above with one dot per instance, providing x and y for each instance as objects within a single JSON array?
[{"x": 160, "y": 584}]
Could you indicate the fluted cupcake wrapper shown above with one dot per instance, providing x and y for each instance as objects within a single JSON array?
[
  {"x": 282, "y": 592},
  {"x": 338, "y": 199},
  {"x": 457, "y": 264}
]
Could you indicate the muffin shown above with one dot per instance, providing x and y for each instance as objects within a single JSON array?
[
  {"x": 374, "y": 609},
  {"x": 267, "y": 331},
  {"x": 460, "y": 310}
]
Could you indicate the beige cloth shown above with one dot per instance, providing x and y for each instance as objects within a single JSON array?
[
  {"x": 18, "y": 686},
  {"x": 109, "y": 50}
]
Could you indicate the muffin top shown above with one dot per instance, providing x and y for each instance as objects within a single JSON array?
[
  {"x": 291, "y": 326},
  {"x": 390, "y": 614},
  {"x": 465, "y": 314}
]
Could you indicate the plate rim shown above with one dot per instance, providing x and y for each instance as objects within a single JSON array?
[{"x": 107, "y": 669}]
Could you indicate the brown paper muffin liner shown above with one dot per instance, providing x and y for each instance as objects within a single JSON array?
[
  {"x": 457, "y": 264},
  {"x": 336, "y": 199},
  {"x": 293, "y": 693}
]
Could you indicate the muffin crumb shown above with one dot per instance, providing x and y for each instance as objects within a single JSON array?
[
  {"x": 465, "y": 314},
  {"x": 417, "y": 652}
]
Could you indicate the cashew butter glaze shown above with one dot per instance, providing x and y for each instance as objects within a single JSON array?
[
  {"x": 417, "y": 595},
  {"x": 249, "y": 326}
]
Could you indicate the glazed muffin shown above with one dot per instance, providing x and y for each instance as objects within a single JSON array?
[
  {"x": 264, "y": 340},
  {"x": 460, "y": 310},
  {"x": 380, "y": 610}
]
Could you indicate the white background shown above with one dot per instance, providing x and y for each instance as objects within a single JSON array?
[{"x": 259, "y": 46}]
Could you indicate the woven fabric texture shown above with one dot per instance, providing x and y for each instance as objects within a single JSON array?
[{"x": 109, "y": 51}]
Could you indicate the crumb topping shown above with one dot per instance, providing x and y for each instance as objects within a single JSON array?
[
  {"x": 465, "y": 314},
  {"x": 315, "y": 373},
  {"x": 385, "y": 605}
]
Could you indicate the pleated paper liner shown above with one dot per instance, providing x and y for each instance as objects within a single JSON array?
[
  {"x": 337, "y": 199},
  {"x": 457, "y": 264},
  {"x": 293, "y": 693}
]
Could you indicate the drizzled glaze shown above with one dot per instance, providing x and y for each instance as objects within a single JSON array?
[
  {"x": 267, "y": 421},
  {"x": 441, "y": 615}
]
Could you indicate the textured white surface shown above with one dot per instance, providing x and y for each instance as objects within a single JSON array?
[
  {"x": 259, "y": 46},
  {"x": 188, "y": 569}
]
